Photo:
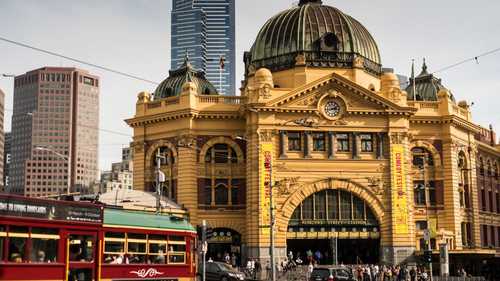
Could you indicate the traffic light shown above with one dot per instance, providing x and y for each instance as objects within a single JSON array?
[
  {"x": 428, "y": 256},
  {"x": 209, "y": 233}
]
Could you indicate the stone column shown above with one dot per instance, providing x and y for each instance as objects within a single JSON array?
[
  {"x": 307, "y": 142},
  {"x": 187, "y": 181},
  {"x": 380, "y": 145},
  {"x": 355, "y": 145},
  {"x": 282, "y": 144},
  {"x": 331, "y": 145}
]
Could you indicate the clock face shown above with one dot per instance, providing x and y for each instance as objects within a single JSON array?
[{"x": 332, "y": 109}]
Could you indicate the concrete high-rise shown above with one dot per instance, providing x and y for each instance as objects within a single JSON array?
[
  {"x": 205, "y": 29},
  {"x": 6, "y": 161},
  {"x": 54, "y": 132}
]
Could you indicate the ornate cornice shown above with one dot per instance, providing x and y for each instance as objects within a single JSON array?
[{"x": 186, "y": 113}]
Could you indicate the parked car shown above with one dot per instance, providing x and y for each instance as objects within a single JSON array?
[
  {"x": 331, "y": 274},
  {"x": 219, "y": 271}
]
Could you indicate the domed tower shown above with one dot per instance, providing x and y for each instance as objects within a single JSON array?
[
  {"x": 427, "y": 86},
  {"x": 316, "y": 36},
  {"x": 173, "y": 84}
]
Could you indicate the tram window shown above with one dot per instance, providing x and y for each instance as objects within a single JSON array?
[
  {"x": 136, "y": 247},
  {"x": 114, "y": 247},
  {"x": 44, "y": 244},
  {"x": 176, "y": 249},
  {"x": 157, "y": 248},
  {"x": 81, "y": 248},
  {"x": 18, "y": 240}
]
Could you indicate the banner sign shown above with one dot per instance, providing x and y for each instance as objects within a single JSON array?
[
  {"x": 399, "y": 190},
  {"x": 49, "y": 210},
  {"x": 265, "y": 163}
]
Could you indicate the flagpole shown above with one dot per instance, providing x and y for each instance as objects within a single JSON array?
[{"x": 413, "y": 79}]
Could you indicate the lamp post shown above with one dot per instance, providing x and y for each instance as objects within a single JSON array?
[{"x": 62, "y": 156}]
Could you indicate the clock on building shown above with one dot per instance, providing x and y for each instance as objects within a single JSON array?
[{"x": 332, "y": 109}]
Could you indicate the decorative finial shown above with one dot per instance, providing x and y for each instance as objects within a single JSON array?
[
  {"x": 305, "y": 2},
  {"x": 424, "y": 66},
  {"x": 186, "y": 60}
]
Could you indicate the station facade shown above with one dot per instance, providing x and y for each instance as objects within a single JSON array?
[{"x": 353, "y": 158}]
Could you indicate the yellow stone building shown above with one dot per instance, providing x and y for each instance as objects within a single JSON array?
[{"x": 354, "y": 159}]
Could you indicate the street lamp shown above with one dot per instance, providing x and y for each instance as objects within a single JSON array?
[
  {"x": 62, "y": 156},
  {"x": 8, "y": 75}
]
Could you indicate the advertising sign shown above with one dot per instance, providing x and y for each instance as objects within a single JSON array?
[
  {"x": 399, "y": 190},
  {"x": 49, "y": 210},
  {"x": 265, "y": 163}
]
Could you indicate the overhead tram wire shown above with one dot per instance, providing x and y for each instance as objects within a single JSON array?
[
  {"x": 475, "y": 58},
  {"x": 93, "y": 127},
  {"x": 78, "y": 60}
]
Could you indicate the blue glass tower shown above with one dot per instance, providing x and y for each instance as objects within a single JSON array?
[{"x": 206, "y": 30}]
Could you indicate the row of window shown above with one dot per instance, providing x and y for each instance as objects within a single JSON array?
[
  {"x": 333, "y": 205},
  {"x": 319, "y": 143},
  {"x": 488, "y": 237},
  {"x": 125, "y": 248},
  {"x": 28, "y": 244},
  {"x": 219, "y": 192},
  {"x": 488, "y": 198}
]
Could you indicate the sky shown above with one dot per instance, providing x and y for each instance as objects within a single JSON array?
[{"x": 133, "y": 36}]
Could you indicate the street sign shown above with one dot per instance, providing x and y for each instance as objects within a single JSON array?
[{"x": 427, "y": 235}]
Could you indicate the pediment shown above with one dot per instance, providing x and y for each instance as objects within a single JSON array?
[{"x": 354, "y": 97}]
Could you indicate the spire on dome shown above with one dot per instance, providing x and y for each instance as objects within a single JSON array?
[{"x": 424, "y": 69}]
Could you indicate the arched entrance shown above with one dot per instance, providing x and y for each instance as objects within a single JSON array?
[
  {"x": 334, "y": 225},
  {"x": 224, "y": 241}
]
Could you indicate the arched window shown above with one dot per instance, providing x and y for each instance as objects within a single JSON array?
[
  {"x": 333, "y": 206},
  {"x": 221, "y": 182},
  {"x": 463, "y": 181},
  {"x": 421, "y": 157},
  {"x": 167, "y": 165},
  {"x": 495, "y": 171},
  {"x": 221, "y": 194},
  {"x": 489, "y": 171},
  {"x": 221, "y": 153},
  {"x": 481, "y": 166}
]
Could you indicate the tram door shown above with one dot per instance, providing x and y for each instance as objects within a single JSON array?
[{"x": 81, "y": 256}]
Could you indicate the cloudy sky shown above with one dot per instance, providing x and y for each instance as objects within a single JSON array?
[{"x": 133, "y": 36}]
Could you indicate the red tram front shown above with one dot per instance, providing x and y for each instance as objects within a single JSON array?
[{"x": 74, "y": 241}]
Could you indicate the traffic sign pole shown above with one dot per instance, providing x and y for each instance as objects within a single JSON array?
[{"x": 203, "y": 247}]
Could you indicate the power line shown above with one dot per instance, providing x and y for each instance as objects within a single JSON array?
[
  {"x": 467, "y": 60},
  {"x": 93, "y": 127},
  {"x": 78, "y": 60}
]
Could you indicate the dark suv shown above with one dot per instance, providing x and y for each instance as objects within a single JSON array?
[
  {"x": 219, "y": 271},
  {"x": 331, "y": 274}
]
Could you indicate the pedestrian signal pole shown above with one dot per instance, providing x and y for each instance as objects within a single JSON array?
[{"x": 204, "y": 247}]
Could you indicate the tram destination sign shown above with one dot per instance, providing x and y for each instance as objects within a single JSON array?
[{"x": 49, "y": 210}]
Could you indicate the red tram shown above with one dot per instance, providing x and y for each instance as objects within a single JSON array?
[{"x": 75, "y": 241}]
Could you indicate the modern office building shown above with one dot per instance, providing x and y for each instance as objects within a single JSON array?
[
  {"x": 205, "y": 29},
  {"x": 54, "y": 132},
  {"x": 360, "y": 167},
  {"x": 6, "y": 160}
]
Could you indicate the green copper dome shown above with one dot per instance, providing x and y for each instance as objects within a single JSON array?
[
  {"x": 172, "y": 86},
  {"x": 427, "y": 86},
  {"x": 324, "y": 35}
]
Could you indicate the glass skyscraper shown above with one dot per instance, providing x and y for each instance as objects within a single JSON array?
[{"x": 205, "y": 29}]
